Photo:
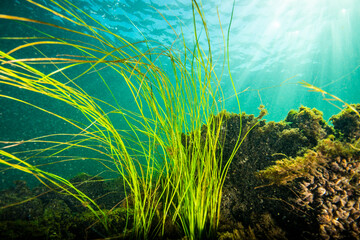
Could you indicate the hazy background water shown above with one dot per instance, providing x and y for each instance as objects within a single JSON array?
[{"x": 270, "y": 41}]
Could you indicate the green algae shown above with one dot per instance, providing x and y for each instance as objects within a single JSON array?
[
  {"x": 310, "y": 122},
  {"x": 286, "y": 170},
  {"x": 347, "y": 124}
]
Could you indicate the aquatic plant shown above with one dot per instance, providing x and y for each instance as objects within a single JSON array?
[
  {"x": 349, "y": 117},
  {"x": 166, "y": 178}
]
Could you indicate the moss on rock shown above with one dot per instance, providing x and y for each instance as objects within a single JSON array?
[
  {"x": 310, "y": 122},
  {"x": 347, "y": 123}
]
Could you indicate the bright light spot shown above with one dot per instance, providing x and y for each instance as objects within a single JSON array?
[
  {"x": 294, "y": 33},
  {"x": 343, "y": 10},
  {"x": 276, "y": 24}
]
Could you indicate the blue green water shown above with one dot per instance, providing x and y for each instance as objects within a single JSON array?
[{"x": 273, "y": 45}]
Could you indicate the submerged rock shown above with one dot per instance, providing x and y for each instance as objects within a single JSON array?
[
  {"x": 41, "y": 213},
  {"x": 20, "y": 203},
  {"x": 310, "y": 122},
  {"x": 301, "y": 168},
  {"x": 294, "y": 179},
  {"x": 347, "y": 123},
  {"x": 326, "y": 182}
]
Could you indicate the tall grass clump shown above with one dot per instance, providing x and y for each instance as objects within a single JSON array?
[{"x": 171, "y": 165}]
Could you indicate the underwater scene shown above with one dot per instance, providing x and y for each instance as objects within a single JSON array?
[{"x": 179, "y": 119}]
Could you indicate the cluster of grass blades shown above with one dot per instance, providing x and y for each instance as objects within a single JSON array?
[{"x": 170, "y": 176}]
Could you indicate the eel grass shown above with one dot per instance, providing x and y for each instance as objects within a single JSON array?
[{"x": 165, "y": 177}]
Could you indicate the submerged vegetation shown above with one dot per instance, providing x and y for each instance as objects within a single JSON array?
[
  {"x": 288, "y": 189},
  {"x": 170, "y": 147},
  {"x": 164, "y": 178}
]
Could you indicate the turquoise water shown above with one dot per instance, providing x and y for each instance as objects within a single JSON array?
[
  {"x": 315, "y": 41},
  {"x": 270, "y": 42},
  {"x": 273, "y": 45}
]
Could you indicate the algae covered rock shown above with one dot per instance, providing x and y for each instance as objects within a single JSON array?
[
  {"x": 310, "y": 122},
  {"x": 57, "y": 219},
  {"x": 21, "y": 229},
  {"x": 263, "y": 145},
  {"x": 292, "y": 151},
  {"x": 347, "y": 123},
  {"x": 20, "y": 203},
  {"x": 43, "y": 213},
  {"x": 326, "y": 181}
]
